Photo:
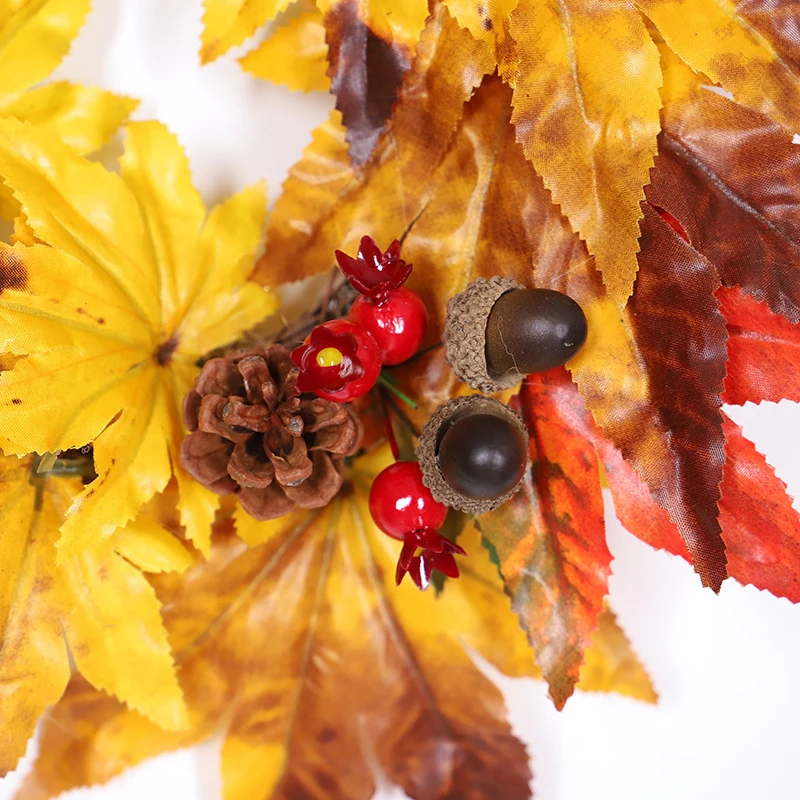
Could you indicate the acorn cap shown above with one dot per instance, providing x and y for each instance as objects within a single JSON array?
[
  {"x": 431, "y": 436},
  {"x": 465, "y": 333}
]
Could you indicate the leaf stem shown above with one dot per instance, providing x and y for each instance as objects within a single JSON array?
[{"x": 387, "y": 384}]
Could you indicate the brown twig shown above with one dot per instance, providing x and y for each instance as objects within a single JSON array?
[{"x": 336, "y": 302}]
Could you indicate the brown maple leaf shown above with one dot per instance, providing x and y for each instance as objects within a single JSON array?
[
  {"x": 729, "y": 175},
  {"x": 368, "y": 46},
  {"x": 325, "y": 206},
  {"x": 366, "y": 73},
  {"x": 324, "y": 674}
]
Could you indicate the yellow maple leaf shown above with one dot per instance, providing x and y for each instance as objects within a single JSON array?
[
  {"x": 35, "y": 38},
  {"x": 151, "y": 546},
  {"x": 488, "y": 23},
  {"x": 301, "y": 644},
  {"x": 295, "y": 55},
  {"x": 749, "y": 51},
  {"x": 129, "y": 289},
  {"x": 586, "y": 110},
  {"x": 98, "y": 605},
  {"x": 227, "y": 23}
]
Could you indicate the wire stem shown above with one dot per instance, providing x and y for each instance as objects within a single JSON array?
[{"x": 387, "y": 384}]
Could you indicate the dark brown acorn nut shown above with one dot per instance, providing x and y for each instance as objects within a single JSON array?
[
  {"x": 497, "y": 331},
  {"x": 473, "y": 453}
]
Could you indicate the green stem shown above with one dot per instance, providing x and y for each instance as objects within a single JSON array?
[{"x": 389, "y": 386}]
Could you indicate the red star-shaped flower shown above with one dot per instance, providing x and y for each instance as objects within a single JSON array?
[
  {"x": 424, "y": 551},
  {"x": 374, "y": 273}
]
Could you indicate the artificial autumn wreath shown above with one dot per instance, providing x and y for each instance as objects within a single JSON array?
[{"x": 201, "y": 501}]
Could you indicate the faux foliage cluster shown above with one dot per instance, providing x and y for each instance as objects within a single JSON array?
[{"x": 580, "y": 145}]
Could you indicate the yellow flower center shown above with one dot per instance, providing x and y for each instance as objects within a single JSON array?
[{"x": 329, "y": 357}]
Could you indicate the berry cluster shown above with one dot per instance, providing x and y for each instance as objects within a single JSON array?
[
  {"x": 342, "y": 359},
  {"x": 474, "y": 451}
]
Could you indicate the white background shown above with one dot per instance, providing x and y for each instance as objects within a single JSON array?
[{"x": 726, "y": 667}]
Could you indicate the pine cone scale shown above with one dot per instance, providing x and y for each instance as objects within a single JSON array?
[
  {"x": 239, "y": 414},
  {"x": 338, "y": 439},
  {"x": 206, "y": 456},
  {"x": 255, "y": 374},
  {"x": 321, "y": 486},
  {"x": 191, "y": 409},
  {"x": 320, "y": 414},
  {"x": 211, "y": 419},
  {"x": 264, "y": 504},
  {"x": 292, "y": 465},
  {"x": 219, "y": 376},
  {"x": 249, "y": 470},
  {"x": 291, "y": 421}
]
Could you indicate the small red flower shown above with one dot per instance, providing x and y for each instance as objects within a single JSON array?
[
  {"x": 327, "y": 360},
  {"x": 338, "y": 361},
  {"x": 373, "y": 273},
  {"x": 437, "y": 553}
]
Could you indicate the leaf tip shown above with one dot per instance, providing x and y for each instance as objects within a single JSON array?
[
  {"x": 710, "y": 563},
  {"x": 560, "y": 698},
  {"x": 207, "y": 55}
]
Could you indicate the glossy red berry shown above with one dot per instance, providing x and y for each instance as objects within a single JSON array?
[
  {"x": 400, "y": 503},
  {"x": 398, "y": 323},
  {"x": 338, "y": 361}
]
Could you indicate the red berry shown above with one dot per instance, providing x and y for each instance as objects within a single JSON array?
[
  {"x": 338, "y": 361},
  {"x": 397, "y": 323},
  {"x": 400, "y": 503}
]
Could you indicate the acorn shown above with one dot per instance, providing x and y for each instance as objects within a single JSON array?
[
  {"x": 473, "y": 453},
  {"x": 497, "y": 331}
]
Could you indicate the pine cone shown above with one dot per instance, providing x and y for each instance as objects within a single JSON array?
[{"x": 254, "y": 433}]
